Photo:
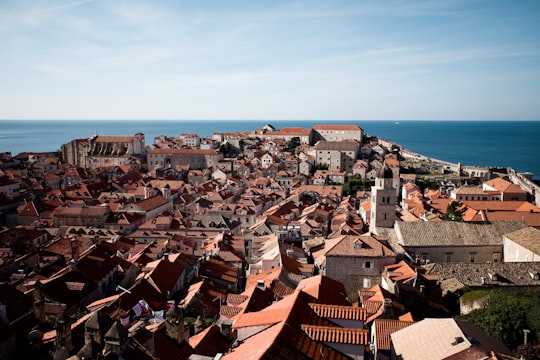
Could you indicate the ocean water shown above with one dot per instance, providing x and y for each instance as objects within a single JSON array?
[{"x": 481, "y": 143}]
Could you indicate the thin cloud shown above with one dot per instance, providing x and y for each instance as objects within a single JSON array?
[{"x": 59, "y": 7}]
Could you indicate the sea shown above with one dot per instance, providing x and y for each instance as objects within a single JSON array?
[{"x": 512, "y": 144}]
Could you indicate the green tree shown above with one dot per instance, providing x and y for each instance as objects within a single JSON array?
[
  {"x": 242, "y": 144},
  {"x": 507, "y": 315},
  {"x": 223, "y": 149},
  {"x": 321, "y": 166},
  {"x": 293, "y": 144},
  {"x": 453, "y": 213}
]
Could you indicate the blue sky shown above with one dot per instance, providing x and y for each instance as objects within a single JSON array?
[{"x": 306, "y": 59}]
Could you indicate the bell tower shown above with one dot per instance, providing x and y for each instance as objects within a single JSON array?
[{"x": 383, "y": 201}]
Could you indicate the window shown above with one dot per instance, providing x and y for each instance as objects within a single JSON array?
[
  {"x": 367, "y": 264},
  {"x": 366, "y": 283},
  {"x": 472, "y": 258},
  {"x": 448, "y": 258}
]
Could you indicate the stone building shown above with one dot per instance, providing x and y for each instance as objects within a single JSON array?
[
  {"x": 81, "y": 216},
  {"x": 104, "y": 151},
  {"x": 304, "y": 135},
  {"x": 356, "y": 261},
  {"x": 338, "y": 132},
  {"x": 452, "y": 241},
  {"x": 196, "y": 158},
  {"x": 338, "y": 155}
]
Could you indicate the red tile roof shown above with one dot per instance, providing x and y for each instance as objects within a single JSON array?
[
  {"x": 209, "y": 342},
  {"x": 384, "y": 328},
  {"x": 336, "y": 334},
  {"x": 336, "y": 127},
  {"x": 183, "y": 151},
  {"x": 339, "y": 312}
]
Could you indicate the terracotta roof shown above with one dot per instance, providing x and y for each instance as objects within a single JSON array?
[
  {"x": 236, "y": 298},
  {"x": 401, "y": 271},
  {"x": 75, "y": 286},
  {"x": 82, "y": 211},
  {"x": 324, "y": 289},
  {"x": 530, "y": 218},
  {"x": 336, "y": 334},
  {"x": 152, "y": 202},
  {"x": 495, "y": 205},
  {"x": 470, "y": 190},
  {"x": 337, "y": 127},
  {"x": 290, "y": 131},
  {"x": 498, "y": 184},
  {"x": 183, "y": 151},
  {"x": 339, "y": 312},
  {"x": 266, "y": 317},
  {"x": 360, "y": 246},
  {"x": 29, "y": 210},
  {"x": 209, "y": 342},
  {"x": 283, "y": 337},
  {"x": 219, "y": 270},
  {"x": 384, "y": 328},
  {"x": 230, "y": 311},
  {"x": 166, "y": 274}
]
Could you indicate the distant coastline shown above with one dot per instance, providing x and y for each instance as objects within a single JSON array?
[{"x": 474, "y": 143}]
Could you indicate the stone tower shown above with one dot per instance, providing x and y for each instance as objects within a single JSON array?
[
  {"x": 147, "y": 190},
  {"x": 383, "y": 201},
  {"x": 63, "y": 345},
  {"x": 174, "y": 323},
  {"x": 116, "y": 340},
  {"x": 63, "y": 331},
  {"x": 166, "y": 191}
]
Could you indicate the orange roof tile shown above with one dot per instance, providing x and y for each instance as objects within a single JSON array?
[
  {"x": 336, "y": 334},
  {"x": 336, "y": 127},
  {"x": 498, "y": 184},
  {"x": 399, "y": 272},
  {"x": 384, "y": 328},
  {"x": 339, "y": 312}
]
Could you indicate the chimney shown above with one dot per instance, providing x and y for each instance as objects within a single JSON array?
[
  {"x": 199, "y": 325},
  {"x": 147, "y": 189},
  {"x": 226, "y": 329},
  {"x": 74, "y": 248}
]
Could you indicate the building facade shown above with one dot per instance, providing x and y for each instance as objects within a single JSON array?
[
  {"x": 453, "y": 241},
  {"x": 338, "y": 133},
  {"x": 196, "y": 158},
  {"x": 337, "y": 155},
  {"x": 104, "y": 151}
]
